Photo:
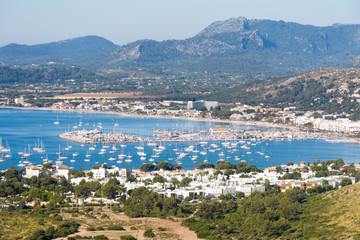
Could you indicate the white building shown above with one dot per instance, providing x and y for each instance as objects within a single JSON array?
[
  {"x": 61, "y": 171},
  {"x": 32, "y": 171},
  {"x": 201, "y": 103},
  {"x": 101, "y": 172}
]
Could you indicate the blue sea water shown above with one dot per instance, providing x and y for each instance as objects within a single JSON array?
[{"x": 23, "y": 128}]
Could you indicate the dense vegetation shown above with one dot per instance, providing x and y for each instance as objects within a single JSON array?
[
  {"x": 148, "y": 167},
  {"x": 268, "y": 215},
  {"x": 145, "y": 203},
  {"x": 273, "y": 215},
  {"x": 44, "y": 75}
]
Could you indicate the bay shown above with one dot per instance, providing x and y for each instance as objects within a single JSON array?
[{"x": 22, "y": 129}]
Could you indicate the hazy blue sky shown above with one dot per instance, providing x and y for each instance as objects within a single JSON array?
[{"x": 40, "y": 21}]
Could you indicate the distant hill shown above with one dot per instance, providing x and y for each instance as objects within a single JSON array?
[
  {"x": 61, "y": 51},
  {"x": 329, "y": 89}
]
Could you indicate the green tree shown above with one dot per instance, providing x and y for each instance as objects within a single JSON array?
[
  {"x": 147, "y": 167},
  {"x": 185, "y": 182},
  {"x": 345, "y": 181},
  {"x": 158, "y": 178}
]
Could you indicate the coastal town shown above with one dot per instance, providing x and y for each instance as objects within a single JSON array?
[{"x": 204, "y": 182}]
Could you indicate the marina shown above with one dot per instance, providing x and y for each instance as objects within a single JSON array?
[{"x": 213, "y": 134}]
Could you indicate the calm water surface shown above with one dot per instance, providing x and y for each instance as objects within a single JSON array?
[{"x": 23, "y": 128}]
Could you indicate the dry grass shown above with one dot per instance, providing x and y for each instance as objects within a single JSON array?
[
  {"x": 344, "y": 211},
  {"x": 15, "y": 225}
]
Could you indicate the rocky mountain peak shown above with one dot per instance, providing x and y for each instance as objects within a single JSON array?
[{"x": 231, "y": 25}]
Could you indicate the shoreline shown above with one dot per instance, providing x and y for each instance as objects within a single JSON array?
[
  {"x": 231, "y": 122},
  {"x": 124, "y": 114}
]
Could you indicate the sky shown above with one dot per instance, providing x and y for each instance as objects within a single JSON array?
[{"x": 41, "y": 21}]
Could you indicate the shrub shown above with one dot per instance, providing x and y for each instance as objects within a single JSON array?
[
  {"x": 149, "y": 233},
  {"x": 116, "y": 227},
  {"x": 100, "y": 237},
  {"x": 90, "y": 229},
  {"x": 188, "y": 198},
  {"x": 161, "y": 229},
  {"x": 127, "y": 237}
]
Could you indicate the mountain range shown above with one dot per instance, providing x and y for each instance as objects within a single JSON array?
[{"x": 238, "y": 46}]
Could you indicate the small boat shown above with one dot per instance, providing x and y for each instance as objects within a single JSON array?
[
  {"x": 112, "y": 159},
  {"x": 7, "y": 148},
  {"x": 27, "y": 154},
  {"x": 57, "y": 121},
  {"x": 75, "y": 154},
  {"x": 141, "y": 154},
  {"x": 72, "y": 160},
  {"x": 139, "y": 147},
  {"x": 128, "y": 160}
]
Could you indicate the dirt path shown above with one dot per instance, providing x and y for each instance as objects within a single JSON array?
[{"x": 133, "y": 226}]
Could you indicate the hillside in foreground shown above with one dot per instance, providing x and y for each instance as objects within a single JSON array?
[{"x": 289, "y": 215}]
